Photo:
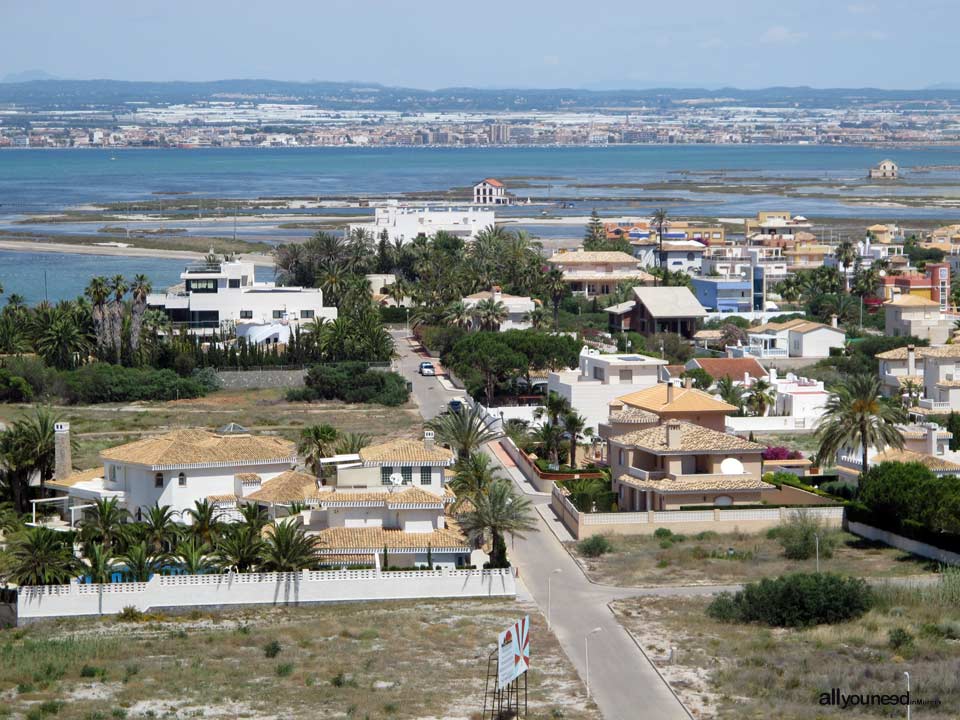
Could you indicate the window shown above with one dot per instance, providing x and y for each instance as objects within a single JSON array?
[
  {"x": 202, "y": 286},
  {"x": 425, "y": 476},
  {"x": 113, "y": 473},
  {"x": 277, "y": 314},
  {"x": 246, "y": 314},
  {"x": 306, "y": 314},
  {"x": 182, "y": 480},
  {"x": 234, "y": 283},
  {"x": 407, "y": 474},
  {"x": 158, "y": 480},
  {"x": 385, "y": 473}
]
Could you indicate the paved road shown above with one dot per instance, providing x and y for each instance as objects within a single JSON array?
[{"x": 624, "y": 684}]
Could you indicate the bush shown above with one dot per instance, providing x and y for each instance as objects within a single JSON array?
[
  {"x": 129, "y": 613},
  {"x": 798, "y": 536},
  {"x": 662, "y": 533},
  {"x": 393, "y": 314},
  {"x": 14, "y": 388},
  {"x": 284, "y": 669},
  {"x": 102, "y": 382},
  {"x": 595, "y": 546},
  {"x": 352, "y": 382},
  {"x": 272, "y": 649},
  {"x": 898, "y": 639},
  {"x": 797, "y": 600}
]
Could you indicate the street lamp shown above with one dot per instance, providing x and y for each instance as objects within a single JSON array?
[
  {"x": 905, "y": 674},
  {"x": 586, "y": 649},
  {"x": 816, "y": 540},
  {"x": 549, "y": 582}
]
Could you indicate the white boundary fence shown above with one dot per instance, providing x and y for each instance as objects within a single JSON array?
[
  {"x": 903, "y": 543},
  {"x": 187, "y": 591}
]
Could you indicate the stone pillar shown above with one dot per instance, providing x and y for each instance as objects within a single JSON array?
[{"x": 63, "y": 462}]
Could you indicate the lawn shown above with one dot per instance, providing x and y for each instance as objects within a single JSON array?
[
  {"x": 747, "y": 672},
  {"x": 374, "y": 660},
  {"x": 96, "y": 427},
  {"x": 705, "y": 559}
]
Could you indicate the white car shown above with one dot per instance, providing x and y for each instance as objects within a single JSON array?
[{"x": 427, "y": 368}]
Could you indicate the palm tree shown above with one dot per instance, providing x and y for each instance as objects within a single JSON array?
[
  {"x": 239, "y": 547},
  {"x": 62, "y": 343},
  {"x": 731, "y": 392},
  {"x": 659, "y": 219},
  {"x": 846, "y": 255},
  {"x": 911, "y": 391},
  {"x": 472, "y": 476},
  {"x": 160, "y": 532},
  {"x": 254, "y": 516},
  {"x": 36, "y": 432},
  {"x": 12, "y": 338},
  {"x": 139, "y": 290},
  {"x": 119, "y": 287},
  {"x": 100, "y": 564},
  {"x": 316, "y": 443},
  {"x": 491, "y": 313},
  {"x": 141, "y": 563},
  {"x": 855, "y": 414},
  {"x": 205, "y": 521},
  {"x": 351, "y": 443},
  {"x": 194, "y": 556},
  {"x": 586, "y": 494},
  {"x": 537, "y": 318},
  {"x": 464, "y": 430},
  {"x": 16, "y": 302},
  {"x": 760, "y": 396},
  {"x": 576, "y": 426},
  {"x": 41, "y": 556},
  {"x": 397, "y": 291},
  {"x": 288, "y": 548},
  {"x": 556, "y": 289},
  {"x": 498, "y": 512},
  {"x": 458, "y": 314},
  {"x": 16, "y": 466},
  {"x": 555, "y": 406},
  {"x": 549, "y": 436},
  {"x": 104, "y": 523}
]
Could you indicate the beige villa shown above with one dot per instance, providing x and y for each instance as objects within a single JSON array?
[{"x": 593, "y": 273}]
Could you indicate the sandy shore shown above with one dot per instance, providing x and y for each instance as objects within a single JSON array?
[{"x": 49, "y": 247}]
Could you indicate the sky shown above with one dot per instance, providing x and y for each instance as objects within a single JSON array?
[{"x": 603, "y": 44}]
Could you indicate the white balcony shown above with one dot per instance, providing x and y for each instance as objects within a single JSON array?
[{"x": 928, "y": 404}]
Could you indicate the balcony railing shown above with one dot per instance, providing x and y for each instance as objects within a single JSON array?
[
  {"x": 646, "y": 474},
  {"x": 928, "y": 404}
]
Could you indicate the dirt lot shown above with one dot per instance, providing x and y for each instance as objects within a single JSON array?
[
  {"x": 374, "y": 660},
  {"x": 706, "y": 559}
]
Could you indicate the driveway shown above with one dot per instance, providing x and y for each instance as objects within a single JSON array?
[{"x": 428, "y": 392}]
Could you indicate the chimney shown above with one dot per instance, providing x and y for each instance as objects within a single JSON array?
[
  {"x": 931, "y": 438},
  {"x": 673, "y": 434},
  {"x": 688, "y": 382},
  {"x": 669, "y": 391},
  {"x": 772, "y": 375},
  {"x": 428, "y": 439},
  {"x": 833, "y": 321},
  {"x": 63, "y": 462},
  {"x": 911, "y": 360},
  {"x": 497, "y": 293},
  {"x": 746, "y": 377}
]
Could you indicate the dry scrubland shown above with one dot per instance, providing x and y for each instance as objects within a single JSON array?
[
  {"x": 705, "y": 559},
  {"x": 389, "y": 660},
  {"x": 97, "y": 427},
  {"x": 748, "y": 672}
]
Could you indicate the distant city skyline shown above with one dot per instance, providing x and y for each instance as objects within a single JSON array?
[{"x": 615, "y": 44}]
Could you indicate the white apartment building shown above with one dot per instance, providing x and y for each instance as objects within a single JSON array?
[
  {"x": 220, "y": 295},
  {"x": 601, "y": 379},
  {"x": 518, "y": 307},
  {"x": 682, "y": 255},
  {"x": 404, "y": 223}
]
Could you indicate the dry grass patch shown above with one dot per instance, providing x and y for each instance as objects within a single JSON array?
[
  {"x": 709, "y": 558},
  {"x": 375, "y": 660}
]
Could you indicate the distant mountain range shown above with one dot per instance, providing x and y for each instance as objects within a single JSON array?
[
  {"x": 37, "y": 90},
  {"x": 27, "y": 76}
]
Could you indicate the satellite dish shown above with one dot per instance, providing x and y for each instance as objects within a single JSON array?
[
  {"x": 396, "y": 479},
  {"x": 731, "y": 466}
]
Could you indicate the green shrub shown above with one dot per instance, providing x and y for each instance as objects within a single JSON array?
[
  {"x": 662, "y": 532},
  {"x": 102, "y": 382},
  {"x": 129, "y": 613},
  {"x": 666, "y": 544},
  {"x": 898, "y": 639},
  {"x": 799, "y": 534},
  {"x": 50, "y": 707},
  {"x": 796, "y": 600},
  {"x": 272, "y": 649},
  {"x": 284, "y": 669},
  {"x": 595, "y": 546},
  {"x": 352, "y": 382},
  {"x": 14, "y": 388},
  {"x": 706, "y": 535}
]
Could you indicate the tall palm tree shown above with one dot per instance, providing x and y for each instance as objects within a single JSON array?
[
  {"x": 195, "y": 556},
  {"x": 41, "y": 556},
  {"x": 856, "y": 415},
  {"x": 139, "y": 291},
  {"x": 16, "y": 467},
  {"x": 254, "y": 516},
  {"x": 100, "y": 564},
  {"x": 472, "y": 476},
  {"x": 205, "y": 523},
  {"x": 37, "y": 434},
  {"x": 556, "y": 289},
  {"x": 464, "y": 430},
  {"x": 12, "y": 338},
  {"x": 555, "y": 405},
  {"x": 537, "y": 318},
  {"x": 160, "y": 532},
  {"x": 498, "y": 512},
  {"x": 491, "y": 314},
  {"x": 62, "y": 343},
  {"x": 731, "y": 392},
  {"x": 911, "y": 392},
  {"x": 458, "y": 314},
  {"x": 142, "y": 562},
  {"x": 846, "y": 255},
  {"x": 659, "y": 220},
  {"x": 398, "y": 290},
  {"x": 549, "y": 436},
  {"x": 287, "y": 548},
  {"x": 104, "y": 523},
  {"x": 316, "y": 443},
  {"x": 239, "y": 548},
  {"x": 118, "y": 287},
  {"x": 760, "y": 396},
  {"x": 576, "y": 427}
]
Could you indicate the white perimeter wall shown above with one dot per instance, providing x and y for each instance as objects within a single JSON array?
[{"x": 260, "y": 589}]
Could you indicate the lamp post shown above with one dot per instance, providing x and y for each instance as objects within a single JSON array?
[
  {"x": 816, "y": 540},
  {"x": 905, "y": 674},
  {"x": 586, "y": 649},
  {"x": 549, "y": 595}
]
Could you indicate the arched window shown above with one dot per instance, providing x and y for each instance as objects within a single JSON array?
[{"x": 182, "y": 480}]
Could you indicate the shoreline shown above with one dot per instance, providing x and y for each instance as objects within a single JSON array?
[{"x": 257, "y": 259}]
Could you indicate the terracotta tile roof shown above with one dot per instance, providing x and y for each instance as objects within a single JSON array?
[
  {"x": 900, "y": 353},
  {"x": 633, "y": 416},
  {"x": 906, "y": 456},
  {"x": 405, "y": 451},
  {"x": 777, "y": 326},
  {"x": 948, "y": 383},
  {"x": 202, "y": 447},
  {"x": 286, "y": 487},
  {"x": 248, "y": 478},
  {"x": 488, "y": 295},
  {"x": 592, "y": 256},
  {"x": 693, "y": 438},
  {"x": 222, "y": 498},
  {"x": 373, "y": 539},
  {"x": 912, "y": 301},
  {"x": 381, "y": 498},
  {"x": 691, "y": 483},
  {"x": 491, "y": 181},
  {"x": 78, "y": 477},
  {"x": 904, "y": 379},
  {"x": 733, "y": 368},
  {"x": 654, "y": 399},
  {"x": 707, "y": 335},
  {"x": 941, "y": 351},
  {"x": 675, "y": 370},
  {"x": 811, "y": 326}
]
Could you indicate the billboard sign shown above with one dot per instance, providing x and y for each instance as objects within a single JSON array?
[{"x": 514, "y": 652}]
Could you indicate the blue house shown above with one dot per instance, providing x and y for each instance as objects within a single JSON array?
[{"x": 724, "y": 294}]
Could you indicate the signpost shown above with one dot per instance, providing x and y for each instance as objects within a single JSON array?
[{"x": 502, "y": 695}]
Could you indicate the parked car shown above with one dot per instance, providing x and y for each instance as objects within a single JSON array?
[
  {"x": 427, "y": 368},
  {"x": 455, "y": 405}
]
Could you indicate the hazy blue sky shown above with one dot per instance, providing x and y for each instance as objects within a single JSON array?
[{"x": 525, "y": 43}]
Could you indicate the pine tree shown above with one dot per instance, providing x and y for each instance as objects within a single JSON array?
[{"x": 595, "y": 236}]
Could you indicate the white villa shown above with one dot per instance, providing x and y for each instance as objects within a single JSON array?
[
  {"x": 217, "y": 295},
  {"x": 404, "y": 223},
  {"x": 795, "y": 338},
  {"x": 518, "y": 307},
  {"x": 490, "y": 191}
]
